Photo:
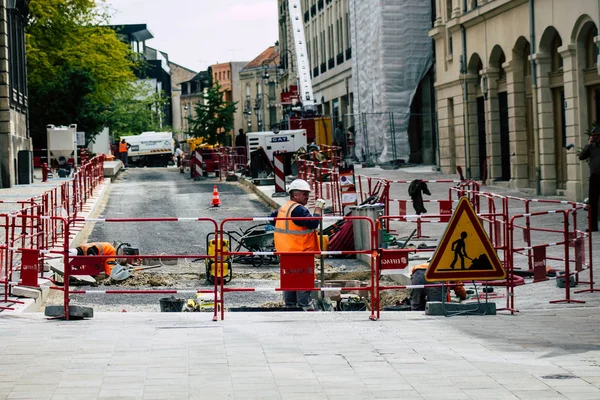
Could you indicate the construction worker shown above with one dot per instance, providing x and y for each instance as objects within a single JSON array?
[
  {"x": 298, "y": 236},
  {"x": 97, "y": 249},
  {"x": 123, "y": 149},
  {"x": 419, "y": 296}
]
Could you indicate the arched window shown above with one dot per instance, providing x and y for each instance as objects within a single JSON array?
[
  {"x": 526, "y": 61},
  {"x": 556, "y": 59},
  {"x": 591, "y": 50}
]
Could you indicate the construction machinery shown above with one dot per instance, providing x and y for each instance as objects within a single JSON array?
[
  {"x": 305, "y": 115},
  {"x": 216, "y": 266},
  {"x": 62, "y": 146}
]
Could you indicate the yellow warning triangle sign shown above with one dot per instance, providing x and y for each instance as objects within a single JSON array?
[{"x": 465, "y": 251}]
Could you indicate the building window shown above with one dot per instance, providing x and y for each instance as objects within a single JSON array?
[
  {"x": 556, "y": 59},
  {"x": 448, "y": 10},
  {"x": 348, "y": 40},
  {"x": 340, "y": 36},
  {"x": 17, "y": 63},
  {"x": 450, "y": 45},
  {"x": 591, "y": 50}
]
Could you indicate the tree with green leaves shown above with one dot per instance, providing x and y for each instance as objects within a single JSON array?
[
  {"x": 74, "y": 66},
  {"x": 136, "y": 109},
  {"x": 213, "y": 119}
]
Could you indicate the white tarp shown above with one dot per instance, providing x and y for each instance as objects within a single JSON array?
[{"x": 391, "y": 52}]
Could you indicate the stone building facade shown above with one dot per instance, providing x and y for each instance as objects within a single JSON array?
[
  {"x": 16, "y": 162},
  {"x": 258, "y": 91},
  {"x": 327, "y": 33},
  {"x": 517, "y": 84},
  {"x": 227, "y": 74},
  {"x": 192, "y": 93},
  {"x": 179, "y": 74}
]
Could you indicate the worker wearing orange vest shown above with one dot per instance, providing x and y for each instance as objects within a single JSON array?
[
  {"x": 123, "y": 149},
  {"x": 300, "y": 236},
  {"x": 419, "y": 296},
  {"x": 98, "y": 249}
]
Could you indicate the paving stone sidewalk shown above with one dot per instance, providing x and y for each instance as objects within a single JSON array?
[{"x": 535, "y": 355}]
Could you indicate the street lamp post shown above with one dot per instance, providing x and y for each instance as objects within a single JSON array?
[{"x": 259, "y": 107}]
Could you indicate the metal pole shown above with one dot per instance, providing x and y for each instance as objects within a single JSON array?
[
  {"x": 536, "y": 127},
  {"x": 262, "y": 105}
]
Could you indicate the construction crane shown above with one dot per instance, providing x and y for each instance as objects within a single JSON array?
[
  {"x": 317, "y": 127},
  {"x": 306, "y": 91}
]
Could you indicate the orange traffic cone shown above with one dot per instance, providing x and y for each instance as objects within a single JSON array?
[{"x": 215, "y": 199}]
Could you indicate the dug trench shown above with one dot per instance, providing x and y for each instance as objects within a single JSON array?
[{"x": 190, "y": 276}]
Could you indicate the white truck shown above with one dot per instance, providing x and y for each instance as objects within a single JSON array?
[
  {"x": 151, "y": 149},
  {"x": 287, "y": 140}
]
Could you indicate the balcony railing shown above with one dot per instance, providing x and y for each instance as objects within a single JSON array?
[
  {"x": 331, "y": 63},
  {"x": 340, "y": 58},
  {"x": 323, "y": 68},
  {"x": 315, "y": 72},
  {"x": 348, "y": 53}
]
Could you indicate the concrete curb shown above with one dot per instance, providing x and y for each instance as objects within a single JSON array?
[{"x": 264, "y": 197}]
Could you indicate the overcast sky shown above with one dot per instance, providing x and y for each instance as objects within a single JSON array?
[{"x": 198, "y": 33}]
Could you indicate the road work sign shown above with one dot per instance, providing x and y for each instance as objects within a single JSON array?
[{"x": 465, "y": 251}]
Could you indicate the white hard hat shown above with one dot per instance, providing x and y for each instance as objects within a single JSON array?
[
  {"x": 299, "y": 184},
  {"x": 72, "y": 252}
]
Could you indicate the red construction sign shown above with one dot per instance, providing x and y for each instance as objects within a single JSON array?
[
  {"x": 465, "y": 252},
  {"x": 297, "y": 271},
  {"x": 393, "y": 259}
]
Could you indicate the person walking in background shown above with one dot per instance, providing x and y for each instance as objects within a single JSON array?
[
  {"x": 123, "y": 149},
  {"x": 591, "y": 152},
  {"x": 339, "y": 139},
  {"x": 178, "y": 155},
  {"x": 298, "y": 236},
  {"x": 240, "y": 139}
]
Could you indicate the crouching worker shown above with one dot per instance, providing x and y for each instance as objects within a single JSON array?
[
  {"x": 97, "y": 249},
  {"x": 420, "y": 296},
  {"x": 298, "y": 236}
]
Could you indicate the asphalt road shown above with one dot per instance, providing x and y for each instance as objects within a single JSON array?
[{"x": 161, "y": 193}]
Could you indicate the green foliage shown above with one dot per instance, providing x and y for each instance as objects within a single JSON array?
[
  {"x": 214, "y": 119},
  {"x": 594, "y": 127},
  {"x": 134, "y": 109},
  {"x": 65, "y": 99},
  {"x": 74, "y": 66}
]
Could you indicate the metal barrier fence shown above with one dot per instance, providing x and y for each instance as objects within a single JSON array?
[
  {"x": 35, "y": 226},
  {"x": 44, "y": 222},
  {"x": 83, "y": 265},
  {"x": 288, "y": 269}
]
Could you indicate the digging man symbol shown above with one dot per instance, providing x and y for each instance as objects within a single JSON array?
[{"x": 459, "y": 249}]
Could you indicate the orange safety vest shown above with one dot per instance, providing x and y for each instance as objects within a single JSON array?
[
  {"x": 104, "y": 249},
  {"x": 420, "y": 266},
  {"x": 123, "y": 147},
  {"x": 291, "y": 237}
]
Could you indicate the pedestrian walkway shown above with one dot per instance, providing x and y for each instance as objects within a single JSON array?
[{"x": 536, "y": 355}]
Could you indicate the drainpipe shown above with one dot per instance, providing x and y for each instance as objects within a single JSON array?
[
  {"x": 534, "y": 93},
  {"x": 467, "y": 145}
]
